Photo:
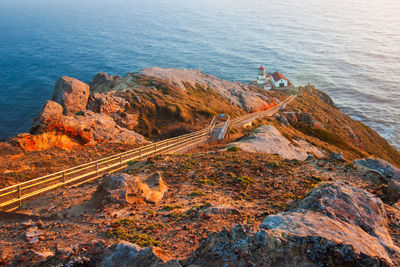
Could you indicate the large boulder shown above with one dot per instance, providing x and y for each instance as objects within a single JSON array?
[
  {"x": 291, "y": 239},
  {"x": 102, "y": 128},
  {"x": 353, "y": 206},
  {"x": 71, "y": 94},
  {"x": 337, "y": 225},
  {"x": 51, "y": 113},
  {"x": 389, "y": 171},
  {"x": 52, "y": 128},
  {"x": 267, "y": 139},
  {"x": 317, "y": 240},
  {"x": 126, "y": 254},
  {"x": 127, "y": 189}
]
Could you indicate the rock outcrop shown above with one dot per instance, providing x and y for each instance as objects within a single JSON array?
[
  {"x": 66, "y": 122},
  {"x": 71, "y": 94},
  {"x": 237, "y": 93},
  {"x": 267, "y": 139},
  {"x": 103, "y": 82},
  {"x": 389, "y": 171},
  {"x": 52, "y": 128},
  {"x": 300, "y": 117},
  {"x": 113, "y": 106},
  {"x": 126, "y": 254},
  {"x": 353, "y": 206},
  {"x": 51, "y": 113},
  {"x": 311, "y": 90},
  {"x": 127, "y": 189},
  {"x": 337, "y": 225}
]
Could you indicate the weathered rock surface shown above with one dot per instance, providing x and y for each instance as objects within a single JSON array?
[
  {"x": 71, "y": 94},
  {"x": 124, "y": 188},
  {"x": 51, "y": 113},
  {"x": 103, "y": 82},
  {"x": 51, "y": 127},
  {"x": 115, "y": 107},
  {"x": 296, "y": 117},
  {"x": 101, "y": 127},
  {"x": 219, "y": 210},
  {"x": 337, "y": 157},
  {"x": 237, "y": 93},
  {"x": 54, "y": 129},
  {"x": 267, "y": 139},
  {"x": 388, "y": 170},
  {"x": 320, "y": 238},
  {"x": 106, "y": 103},
  {"x": 351, "y": 205},
  {"x": 394, "y": 190},
  {"x": 126, "y": 254},
  {"x": 337, "y": 225}
]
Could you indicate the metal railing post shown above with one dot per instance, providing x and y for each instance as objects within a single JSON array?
[
  {"x": 97, "y": 169},
  {"x": 140, "y": 153},
  {"x": 120, "y": 160},
  {"x": 62, "y": 179},
  {"x": 19, "y": 194}
]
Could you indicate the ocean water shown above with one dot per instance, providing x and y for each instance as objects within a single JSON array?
[{"x": 349, "y": 49}]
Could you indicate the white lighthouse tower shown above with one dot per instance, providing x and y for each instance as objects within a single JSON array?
[{"x": 261, "y": 75}]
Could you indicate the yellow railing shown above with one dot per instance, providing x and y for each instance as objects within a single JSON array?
[{"x": 12, "y": 196}]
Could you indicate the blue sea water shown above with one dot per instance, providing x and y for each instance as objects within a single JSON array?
[{"x": 349, "y": 49}]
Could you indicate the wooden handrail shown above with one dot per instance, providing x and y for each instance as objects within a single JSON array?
[{"x": 93, "y": 170}]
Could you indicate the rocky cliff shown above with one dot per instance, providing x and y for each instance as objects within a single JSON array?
[
  {"x": 307, "y": 187},
  {"x": 155, "y": 102}
]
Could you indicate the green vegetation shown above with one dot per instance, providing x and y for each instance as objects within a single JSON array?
[
  {"x": 125, "y": 222},
  {"x": 313, "y": 181},
  {"x": 244, "y": 181},
  {"x": 197, "y": 193},
  {"x": 276, "y": 164},
  {"x": 329, "y": 138},
  {"x": 233, "y": 149},
  {"x": 131, "y": 235},
  {"x": 125, "y": 229},
  {"x": 176, "y": 215},
  {"x": 206, "y": 181},
  {"x": 172, "y": 207},
  {"x": 155, "y": 226},
  {"x": 151, "y": 211},
  {"x": 166, "y": 110}
]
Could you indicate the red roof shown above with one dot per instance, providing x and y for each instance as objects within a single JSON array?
[
  {"x": 277, "y": 76},
  {"x": 261, "y": 68}
]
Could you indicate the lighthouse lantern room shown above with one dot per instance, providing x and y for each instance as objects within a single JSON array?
[{"x": 261, "y": 75}]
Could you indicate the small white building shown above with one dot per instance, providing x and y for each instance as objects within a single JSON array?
[
  {"x": 267, "y": 86},
  {"x": 261, "y": 75},
  {"x": 279, "y": 80}
]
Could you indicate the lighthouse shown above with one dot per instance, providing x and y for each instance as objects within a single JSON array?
[{"x": 261, "y": 75}]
